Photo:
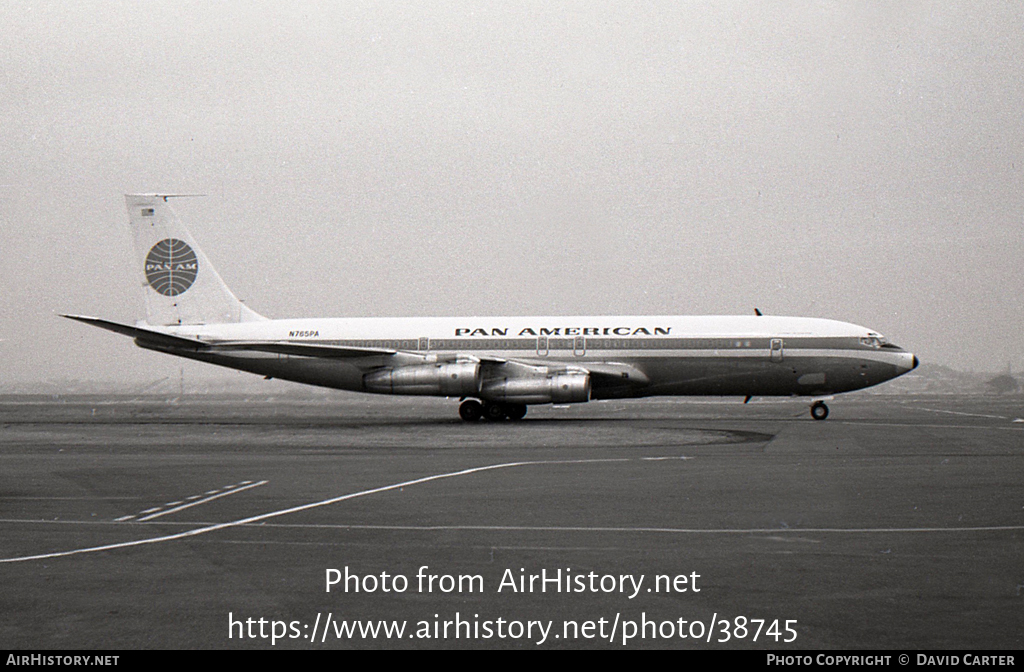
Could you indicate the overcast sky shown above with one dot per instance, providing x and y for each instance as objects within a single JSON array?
[{"x": 855, "y": 161}]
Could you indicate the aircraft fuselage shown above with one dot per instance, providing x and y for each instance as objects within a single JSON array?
[{"x": 644, "y": 356}]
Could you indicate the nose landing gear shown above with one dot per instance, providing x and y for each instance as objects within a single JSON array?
[{"x": 819, "y": 411}]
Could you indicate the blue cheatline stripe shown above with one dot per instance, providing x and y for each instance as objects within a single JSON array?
[{"x": 843, "y": 345}]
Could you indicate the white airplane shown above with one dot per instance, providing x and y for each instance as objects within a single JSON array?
[{"x": 497, "y": 366}]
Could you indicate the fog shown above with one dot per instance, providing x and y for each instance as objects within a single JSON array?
[{"x": 856, "y": 161}]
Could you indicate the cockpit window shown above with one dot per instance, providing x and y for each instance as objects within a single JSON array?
[
  {"x": 877, "y": 341},
  {"x": 874, "y": 341}
]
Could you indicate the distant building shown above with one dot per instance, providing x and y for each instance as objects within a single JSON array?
[{"x": 1004, "y": 384}]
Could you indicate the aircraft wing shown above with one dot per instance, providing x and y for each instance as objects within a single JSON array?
[
  {"x": 615, "y": 374},
  {"x": 602, "y": 374}
]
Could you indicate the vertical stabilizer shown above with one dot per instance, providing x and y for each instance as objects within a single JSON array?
[{"x": 180, "y": 284}]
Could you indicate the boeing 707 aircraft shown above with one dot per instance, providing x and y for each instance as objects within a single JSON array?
[{"x": 496, "y": 366}]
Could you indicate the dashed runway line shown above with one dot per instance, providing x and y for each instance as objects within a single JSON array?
[
  {"x": 232, "y": 489},
  {"x": 194, "y": 500}
]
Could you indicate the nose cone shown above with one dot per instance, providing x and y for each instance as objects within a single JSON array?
[{"x": 907, "y": 362}]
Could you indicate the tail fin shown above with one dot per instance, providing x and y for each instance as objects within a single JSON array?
[{"x": 179, "y": 282}]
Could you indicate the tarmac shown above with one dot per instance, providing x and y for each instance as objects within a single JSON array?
[{"x": 209, "y": 522}]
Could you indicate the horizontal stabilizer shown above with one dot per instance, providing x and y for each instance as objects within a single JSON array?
[
  {"x": 151, "y": 337},
  {"x": 147, "y": 335}
]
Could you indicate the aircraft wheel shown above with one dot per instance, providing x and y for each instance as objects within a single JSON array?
[
  {"x": 819, "y": 411},
  {"x": 470, "y": 410},
  {"x": 494, "y": 412},
  {"x": 515, "y": 411}
]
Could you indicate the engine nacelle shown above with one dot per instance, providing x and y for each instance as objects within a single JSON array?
[
  {"x": 560, "y": 388},
  {"x": 455, "y": 379}
]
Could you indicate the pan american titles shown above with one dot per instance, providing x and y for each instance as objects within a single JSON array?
[{"x": 566, "y": 331}]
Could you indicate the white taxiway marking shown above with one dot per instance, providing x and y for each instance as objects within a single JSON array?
[
  {"x": 474, "y": 470},
  {"x": 55, "y": 499},
  {"x": 921, "y": 424},
  {"x": 660, "y": 530},
  {"x": 777, "y": 531},
  {"x": 973, "y": 415},
  {"x": 306, "y": 507}
]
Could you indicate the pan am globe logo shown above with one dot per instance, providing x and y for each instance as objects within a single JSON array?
[{"x": 171, "y": 267}]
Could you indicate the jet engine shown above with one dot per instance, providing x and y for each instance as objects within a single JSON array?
[
  {"x": 559, "y": 388},
  {"x": 455, "y": 379}
]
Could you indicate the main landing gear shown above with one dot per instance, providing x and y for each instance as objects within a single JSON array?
[
  {"x": 819, "y": 411},
  {"x": 472, "y": 410}
]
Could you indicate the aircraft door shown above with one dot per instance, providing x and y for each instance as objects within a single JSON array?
[
  {"x": 579, "y": 346},
  {"x": 542, "y": 346},
  {"x": 775, "y": 352}
]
